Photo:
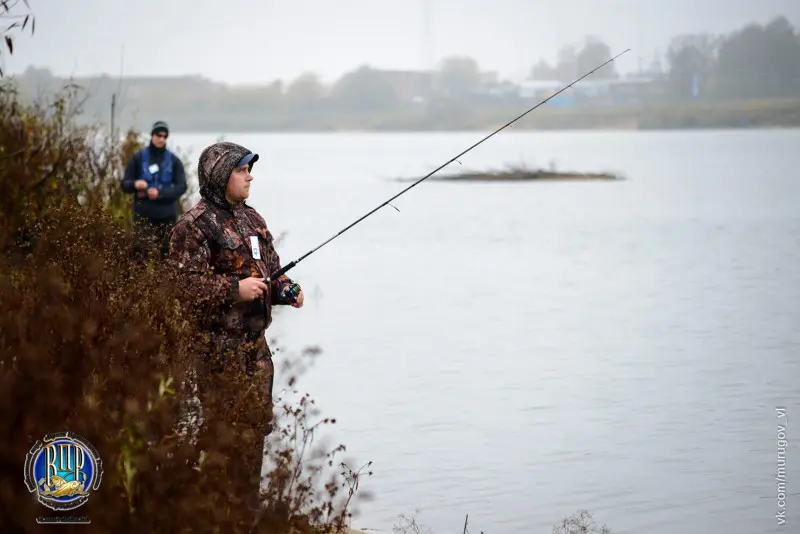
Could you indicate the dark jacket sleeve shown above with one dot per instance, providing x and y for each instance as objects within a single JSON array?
[
  {"x": 131, "y": 174},
  {"x": 190, "y": 254},
  {"x": 178, "y": 187}
]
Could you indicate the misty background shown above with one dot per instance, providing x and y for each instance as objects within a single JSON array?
[
  {"x": 419, "y": 65},
  {"x": 247, "y": 42},
  {"x": 514, "y": 351}
]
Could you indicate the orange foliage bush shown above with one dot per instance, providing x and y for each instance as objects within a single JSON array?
[{"x": 95, "y": 343}]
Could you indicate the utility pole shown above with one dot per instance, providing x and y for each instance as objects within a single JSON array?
[{"x": 426, "y": 51}]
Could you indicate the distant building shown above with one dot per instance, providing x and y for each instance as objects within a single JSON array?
[
  {"x": 504, "y": 89},
  {"x": 541, "y": 89},
  {"x": 637, "y": 90},
  {"x": 490, "y": 79},
  {"x": 595, "y": 93}
]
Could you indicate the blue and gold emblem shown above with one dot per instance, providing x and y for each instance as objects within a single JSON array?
[{"x": 63, "y": 469}]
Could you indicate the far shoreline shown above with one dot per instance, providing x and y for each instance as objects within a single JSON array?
[
  {"x": 776, "y": 114},
  {"x": 489, "y": 129}
]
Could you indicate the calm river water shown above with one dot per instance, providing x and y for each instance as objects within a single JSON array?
[{"x": 519, "y": 351}]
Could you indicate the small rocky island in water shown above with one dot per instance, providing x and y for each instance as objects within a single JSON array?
[{"x": 517, "y": 174}]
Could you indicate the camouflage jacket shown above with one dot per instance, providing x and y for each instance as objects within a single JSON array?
[{"x": 211, "y": 248}]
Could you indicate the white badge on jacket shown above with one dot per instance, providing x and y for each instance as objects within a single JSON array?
[
  {"x": 153, "y": 168},
  {"x": 254, "y": 246}
]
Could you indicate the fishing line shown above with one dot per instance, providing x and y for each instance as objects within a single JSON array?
[{"x": 290, "y": 265}]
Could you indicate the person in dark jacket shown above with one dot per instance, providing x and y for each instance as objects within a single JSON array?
[{"x": 156, "y": 179}]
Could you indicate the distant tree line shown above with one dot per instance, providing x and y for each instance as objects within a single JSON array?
[{"x": 756, "y": 61}]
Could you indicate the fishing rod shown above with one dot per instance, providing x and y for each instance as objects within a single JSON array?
[{"x": 290, "y": 265}]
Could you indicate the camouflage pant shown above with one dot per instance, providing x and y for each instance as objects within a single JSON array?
[{"x": 252, "y": 356}]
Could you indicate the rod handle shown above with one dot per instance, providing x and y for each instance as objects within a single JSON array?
[{"x": 283, "y": 270}]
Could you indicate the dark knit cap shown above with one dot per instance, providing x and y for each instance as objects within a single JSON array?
[{"x": 159, "y": 126}]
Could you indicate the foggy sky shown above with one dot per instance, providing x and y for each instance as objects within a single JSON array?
[{"x": 256, "y": 41}]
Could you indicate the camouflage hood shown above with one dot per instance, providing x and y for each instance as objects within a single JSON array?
[{"x": 216, "y": 164}]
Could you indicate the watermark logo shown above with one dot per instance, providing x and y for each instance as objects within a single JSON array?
[
  {"x": 63, "y": 469},
  {"x": 780, "y": 477}
]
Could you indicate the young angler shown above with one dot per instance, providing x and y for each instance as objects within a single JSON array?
[{"x": 223, "y": 251}]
